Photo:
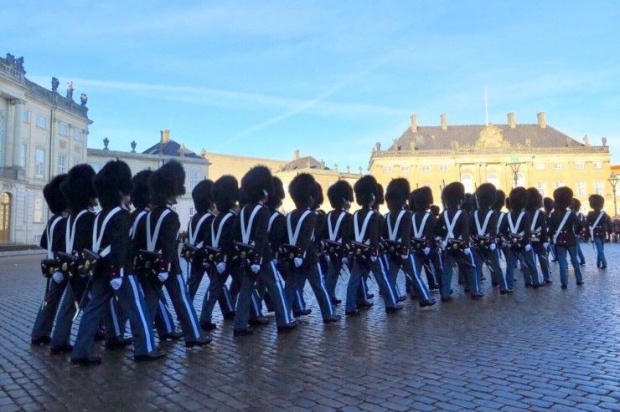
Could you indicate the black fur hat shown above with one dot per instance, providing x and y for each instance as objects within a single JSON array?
[
  {"x": 303, "y": 190},
  {"x": 548, "y": 204},
  {"x": 453, "y": 194},
  {"x": 275, "y": 201},
  {"x": 575, "y": 205},
  {"x": 112, "y": 182},
  {"x": 469, "y": 203},
  {"x": 202, "y": 196},
  {"x": 319, "y": 196},
  {"x": 517, "y": 198},
  {"x": 486, "y": 195},
  {"x": 256, "y": 184},
  {"x": 366, "y": 190},
  {"x": 53, "y": 196},
  {"x": 533, "y": 199},
  {"x": 397, "y": 192},
  {"x": 434, "y": 209},
  {"x": 140, "y": 197},
  {"x": 562, "y": 197},
  {"x": 422, "y": 198},
  {"x": 225, "y": 192},
  {"x": 78, "y": 188},
  {"x": 500, "y": 200},
  {"x": 596, "y": 202},
  {"x": 339, "y": 193},
  {"x": 380, "y": 195},
  {"x": 166, "y": 182}
]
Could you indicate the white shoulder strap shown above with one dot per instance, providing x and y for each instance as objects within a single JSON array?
[
  {"x": 98, "y": 236},
  {"x": 246, "y": 232},
  {"x": 594, "y": 225},
  {"x": 193, "y": 233},
  {"x": 292, "y": 236},
  {"x": 215, "y": 238},
  {"x": 151, "y": 237},
  {"x": 450, "y": 225},
  {"x": 419, "y": 232},
  {"x": 272, "y": 219},
  {"x": 515, "y": 227},
  {"x": 332, "y": 232},
  {"x": 70, "y": 231},
  {"x": 482, "y": 230},
  {"x": 360, "y": 234},
  {"x": 562, "y": 223},
  {"x": 134, "y": 227},
  {"x": 49, "y": 232},
  {"x": 533, "y": 227},
  {"x": 393, "y": 232}
]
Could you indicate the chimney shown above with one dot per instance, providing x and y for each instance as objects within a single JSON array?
[
  {"x": 165, "y": 136},
  {"x": 511, "y": 120},
  {"x": 444, "y": 122},
  {"x": 414, "y": 123},
  {"x": 542, "y": 120},
  {"x": 296, "y": 154}
]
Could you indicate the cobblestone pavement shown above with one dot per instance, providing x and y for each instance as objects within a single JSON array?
[{"x": 545, "y": 349}]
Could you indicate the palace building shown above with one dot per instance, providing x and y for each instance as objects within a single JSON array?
[{"x": 507, "y": 155}]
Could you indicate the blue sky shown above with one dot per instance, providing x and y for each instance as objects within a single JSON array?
[{"x": 331, "y": 78}]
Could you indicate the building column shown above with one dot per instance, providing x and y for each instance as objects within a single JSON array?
[{"x": 17, "y": 132}]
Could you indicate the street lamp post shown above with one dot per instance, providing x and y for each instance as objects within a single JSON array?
[
  {"x": 515, "y": 166},
  {"x": 613, "y": 180}
]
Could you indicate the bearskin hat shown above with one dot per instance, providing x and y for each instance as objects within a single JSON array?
[
  {"x": 486, "y": 195},
  {"x": 548, "y": 204},
  {"x": 202, "y": 196},
  {"x": 78, "y": 188},
  {"x": 562, "y": 197},
  {"x": 256, "y": 184},
  {"x": 303, "y": 190},
  {"x": 380, "y": 195},
  {"x": 500, "y": 200},
  {"x": 422, "y": 198},
  {"x": 366, "y": 190},
  {"x": 225, "y": 192},
  {"x": 275, "y": 201},
  {"x": 319, "y": 196},
  {"x": 397, "y": 192},
  {"x": 140, "y": 196},
  {"x": 469, "y": 203},
  {"x": 339, "y": 194},
  {"x": 53, "y": 196},
  {"x": 596, "y": 202},
  {"x": 453, "y": 194},
  {"x": 575, "y": 205},
  {"x": 533, "y": 199},
  {"x": 517, "y": 198},
  {"x": 166, "y": 182},
  {"x": 112, "y": 182},
  {"x": 434, "y": 209}
]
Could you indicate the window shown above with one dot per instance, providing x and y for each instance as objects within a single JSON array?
[
  {"x": 598, "y": 187},
  {"x": 493, "y": 179},
  {"x": 405, "y": 169},
  {"x": 77, "y": 135},
  {"x": 193, "y": 179},
  {"x": 38, "y": 210},
  {"x": 63, "y": 129},
  {"x": 42, "y": 122},
  {"x": 542, "y": 188},
  {"x": 39, "y": 163},
  {"x": 62, "y": 164},
  {"x": 597, "y": 165},
  {"x": 580, "y": 165},
  {"x": 468, "y": 182},
  {"x": 426, "y": 168},
  {"x": 558, "y": 183},
  {"x": 581, "y": 189},
  {"x": 387, "y": 169},
  {"x": 558, "y": 166},
  {"x": 23, "y": 154},
  {"x": 540, "y": 166},
  {"x": 25, "y": 116},
  {"x": 443, "y": 168},
  {"x": 191, "y": 212},
  {"x": 77, "y": 160}
]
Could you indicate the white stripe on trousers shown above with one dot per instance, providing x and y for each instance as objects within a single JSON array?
[
  {"x": 329, "y": 300},
  {"x": 277, "y": 279},
  {"x": 385, "y": 279},
  {"x": 147, "y": 330},
  {"x": 188, "y": 307}
]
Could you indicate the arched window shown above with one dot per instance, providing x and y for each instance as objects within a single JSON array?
[
  {"x": 468, "y": 181},
  {"x": 493, "y": 179}
]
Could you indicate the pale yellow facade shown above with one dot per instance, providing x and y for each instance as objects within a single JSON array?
[
  {"x": 492, "y": 157},
  {"x": 221, "y": 164}
]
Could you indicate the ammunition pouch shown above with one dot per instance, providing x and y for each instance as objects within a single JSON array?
[
  {"x": 563, "y": 239},
  {"x": 88, "y": 263},
  {"x": 456, "y": 245},
  {"x": 482, "y": 242},
  {"x": 418, "y": 244},
  {"x": 287, "y": 253},
  {"x": 599, "y": 231},
  {"x": 516, "y": 241},
  {"x": 335, "y": 250},
  {"x": 535, "y": 237},
  {"x": 191, "y": 253},
  {"x": 149, "y": 263},
  {"x": 362, "y": 252},
  {"x": 395, "y": 250},
  {"x": 246, "y": 253},
  {"x": 49, "y": 267},
  {"x": 212, "y": 256},
  {"x": 67, "y": 263}
]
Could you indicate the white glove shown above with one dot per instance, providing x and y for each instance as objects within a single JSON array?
[
  {"x": 221, "y": 267},
  {"x": 162, "y": 276},
  {"x": 404, "y": 257},
  {"x": 546, "y": 245},
  {"x": 373, "y": 259},
  {"x": 206, "y": 265},
  {"x": 467, "y": 251},
  {"x": 58, "y": 277},
  {"x": 255, "y": 268},
  {"x": 528, "y": 247},
  {"x": 298, "y": 262},
  {"x": 426, "y": 250},
  {"x": 116, "y": 283},
  {"x": 493, "y": 246}
]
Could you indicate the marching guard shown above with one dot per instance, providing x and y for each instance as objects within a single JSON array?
[
  {"x": 538, "y": 230},
  {"x": 599, "y": 225},
  {"x": 424, "y": 245}
]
